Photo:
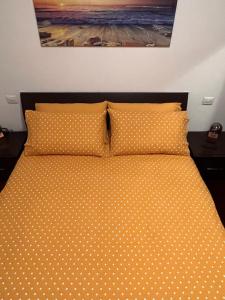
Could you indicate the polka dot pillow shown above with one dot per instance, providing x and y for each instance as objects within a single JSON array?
[
  {"x": 71, "y": 107},
  {"x": 144, "y": 107},
  {"x": 75, "y": 108},
  {"x": 148, "y": 132},
  {"x": 65, "y": 133}
]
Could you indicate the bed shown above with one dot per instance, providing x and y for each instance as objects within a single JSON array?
[{"x": 111, "y": 227}]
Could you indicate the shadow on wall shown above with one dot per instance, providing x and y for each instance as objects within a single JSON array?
[
  {"x": 192, "y": 57},
  {"x": 198, "y": 58},
  {"x": 200, "y": 41}
]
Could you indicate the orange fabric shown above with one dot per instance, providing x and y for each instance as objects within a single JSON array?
[
  {"x": 142, "y": 107},
  {"x": 74, "y": 108},
  {"x": 65, "y": 133},
  {"x": 148, "y": 132},
  {"x": 71, "y": 107},
  {"x": 124, "y": 227}
]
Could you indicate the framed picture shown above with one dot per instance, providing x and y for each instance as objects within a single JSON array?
[{"x": 105, "y": 23}]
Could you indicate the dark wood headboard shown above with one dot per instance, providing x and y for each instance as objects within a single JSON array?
[{"x": 28, "y": 100}]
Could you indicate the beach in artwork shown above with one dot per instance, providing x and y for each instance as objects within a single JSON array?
[{"x": 147, "y": 23}]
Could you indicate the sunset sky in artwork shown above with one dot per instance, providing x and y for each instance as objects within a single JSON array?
[{"x": 44, "y": 3}]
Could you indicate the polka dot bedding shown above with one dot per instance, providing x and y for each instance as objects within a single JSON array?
[
  {"x": 65, "y": 133},
  {"x": 148, "y": 132},
  {"x": 128, "y": 227}
]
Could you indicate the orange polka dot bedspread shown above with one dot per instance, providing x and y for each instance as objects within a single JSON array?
[{"x": 128, "y": 227}]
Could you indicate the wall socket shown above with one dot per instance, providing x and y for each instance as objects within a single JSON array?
[
  {"x": 11, "y": 99},
  {"x": 208, "y": 100}
]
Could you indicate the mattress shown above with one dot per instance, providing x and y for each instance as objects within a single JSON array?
[{"x": 128, "y": 227}]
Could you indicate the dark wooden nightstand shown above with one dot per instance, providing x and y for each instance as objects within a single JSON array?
[
  {"x": 11, "y": 147},
  {"x": 210, "y": 160}
]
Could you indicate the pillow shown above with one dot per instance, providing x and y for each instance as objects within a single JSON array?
[
  {"x": 71, "y": 107},
  {"x": 65, "y": 133},
  {"x": 74, "y": 107},
  {"x": 148, "y": 132},
  {"x": 163, "y": 107}
]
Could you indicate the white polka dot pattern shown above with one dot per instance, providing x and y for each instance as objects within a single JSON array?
[
  {"x": 65, "y": 133},
  {"x": 143, "y": 107},
  {"x": 124, "y": 227},
  {"x": 148, "y": 132},
  {"x": 71, "y": 107}
]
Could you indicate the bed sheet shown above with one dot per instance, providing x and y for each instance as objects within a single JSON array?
[{"x": 129, "y": 227}]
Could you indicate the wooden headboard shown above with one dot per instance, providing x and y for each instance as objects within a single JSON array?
[{"x": 28, "y": 100}]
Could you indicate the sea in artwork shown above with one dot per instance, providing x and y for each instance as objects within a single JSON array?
[{"x": 106, "y": 26}]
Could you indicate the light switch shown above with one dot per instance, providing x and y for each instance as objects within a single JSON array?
[
  {"x": 208, "y": 100},
  {"x": 11, "y": 99}
]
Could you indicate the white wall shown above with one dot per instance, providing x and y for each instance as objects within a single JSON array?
[{"x": 195, "y": 62}]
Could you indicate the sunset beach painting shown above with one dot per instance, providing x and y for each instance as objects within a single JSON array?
[{"x": 105, "y": 23}]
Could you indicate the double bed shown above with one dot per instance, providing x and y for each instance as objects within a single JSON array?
[{"x": 110, "y": 227}]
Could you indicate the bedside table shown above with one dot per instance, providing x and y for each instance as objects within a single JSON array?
[
  {"x": 210, "y": 160},
  {"x": 11, "y": 147}
]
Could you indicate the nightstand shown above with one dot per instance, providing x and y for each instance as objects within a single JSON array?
[
  {"x": 210, "y": 160},
  {"x": 11, "y": 147}
]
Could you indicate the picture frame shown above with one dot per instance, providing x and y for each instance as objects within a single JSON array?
[{"x": 99, "y": 23}]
